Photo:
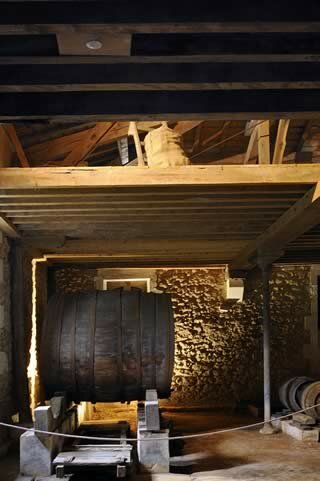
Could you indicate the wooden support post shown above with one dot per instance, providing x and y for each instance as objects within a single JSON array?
[
  {"x": 19, "y": 338},
  {"x": 264, "y": 142},
  {"x": 281, "y": 141},
  {"x": 252, "y": 149},
  {"x": 265, "y": 267},
  {"x": 133, "y": 130}
]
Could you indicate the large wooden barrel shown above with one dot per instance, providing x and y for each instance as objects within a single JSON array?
[{"x": 108, "y": 345}]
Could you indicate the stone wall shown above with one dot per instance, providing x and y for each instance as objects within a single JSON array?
[
  {"x": 218, "y": 350},
  {"x": 218, "y": 356},
  {"x": 6, "y": 401},
  {"x": 74, "y": 280}
]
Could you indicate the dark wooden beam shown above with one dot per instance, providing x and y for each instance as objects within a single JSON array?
[
  {"x": 127, "y": 16},
  {"x": 20, "y": 343},
  {"x": 111, "y": 105},
  {"x": 155, "y": 75}
]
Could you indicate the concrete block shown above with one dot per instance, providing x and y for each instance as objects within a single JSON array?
[
  {"x": 43, "y": 418},
  {"x": 58, "y": 406},
  {"x": 304, "y": 419},
  {"x": 151, "y": 406},
  {"x": 153, "y": 455},
  {"x": 36, "y": 454},
  {"x": 301, "y": 434}
]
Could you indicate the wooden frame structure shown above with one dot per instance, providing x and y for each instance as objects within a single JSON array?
[
  {"x": 178, "y": 61},
  {"x": 206, "y": 214}
]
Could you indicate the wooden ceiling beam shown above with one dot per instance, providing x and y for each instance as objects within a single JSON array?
[
  {"x": 158, "y": 104},
  {"x": 127, "y": 17},
  {"x": 117, "y": 177},
  {"x": 301, "y": 217},
  {"x": 186, "y": 74}
]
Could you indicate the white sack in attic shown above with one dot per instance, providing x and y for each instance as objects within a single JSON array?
[{"x": 164, "y": 148}]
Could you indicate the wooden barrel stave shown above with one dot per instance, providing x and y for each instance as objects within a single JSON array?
[{"x": 108, "y": 345}]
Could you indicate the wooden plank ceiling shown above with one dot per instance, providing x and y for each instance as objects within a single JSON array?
[
  {"x": 198, "y": 215},
  {"x": 106, "y": 60}
]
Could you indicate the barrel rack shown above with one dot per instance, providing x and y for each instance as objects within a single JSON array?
[{"x": 54, "y": 457}]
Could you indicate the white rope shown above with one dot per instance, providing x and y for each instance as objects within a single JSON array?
[{"x": 173, "y": 438}]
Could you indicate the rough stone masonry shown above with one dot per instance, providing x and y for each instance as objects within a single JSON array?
[
  {"x": 6, "y": 404},
  {"x": 218, "y": 351}
]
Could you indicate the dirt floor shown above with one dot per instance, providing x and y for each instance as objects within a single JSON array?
[{"x": 244, "y": 455}]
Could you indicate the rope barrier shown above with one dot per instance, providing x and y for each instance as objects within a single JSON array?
[{"x": 173, "y": 438}]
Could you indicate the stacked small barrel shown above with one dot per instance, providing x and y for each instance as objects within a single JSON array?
[{"x": 301, "y": 393}]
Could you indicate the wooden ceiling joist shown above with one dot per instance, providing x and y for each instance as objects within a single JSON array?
[
  {"x": 212, "y": 61},
  {"x": 127, "y": 17},
  {"x": 142, "y": 177}
]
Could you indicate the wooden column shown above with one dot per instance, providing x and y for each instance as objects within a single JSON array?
[{"x": 19, "y": 334}]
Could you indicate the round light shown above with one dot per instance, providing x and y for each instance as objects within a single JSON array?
[{"x": 94, "y": 44}]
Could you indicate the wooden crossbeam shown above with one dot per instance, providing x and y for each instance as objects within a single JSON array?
[
  {"x": 12, "y": 133},
  {"x": 158, "y": 104},
  {"x": 301, "y": 217},
  {"x": 107, "y": 177},
  {"x": 280, "y": 144},
  {"x": 55, "y": 74}
]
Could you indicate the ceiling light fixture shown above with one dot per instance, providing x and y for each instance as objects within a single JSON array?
[{"x": 94, "y": 44}]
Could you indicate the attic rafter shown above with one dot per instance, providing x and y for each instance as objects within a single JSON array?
[
  {"x": 12, "y": 134},
  {"x": 302, "y": 216},
  {"x": 91, "y": 140}
]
